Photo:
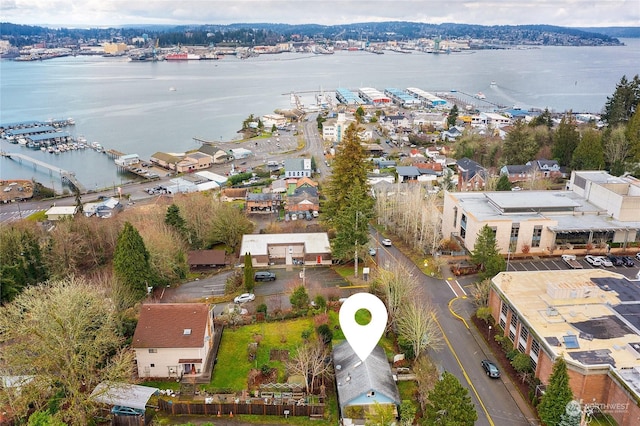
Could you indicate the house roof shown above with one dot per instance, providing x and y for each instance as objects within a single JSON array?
[
  {"x": 206, "y": 257},
  {"x": 165, "y": 325},
  {"x": 167, "y": 158},
  {"x": 257, "y": 244},
  {"x": 235, "y": 192},
  {"x": 62, "y": 210},
  {"x": 517, "y": 168},
  {"x": 294, "y": 164},
  {"x": 306, "y": 181},
  {"x": 470, "y": 168},
  {"x": 436, "y": 167},
  {"x": 356, "y": 378},
  {"x": 410, "y": 171},
  {"x": 199, "y": 155}
]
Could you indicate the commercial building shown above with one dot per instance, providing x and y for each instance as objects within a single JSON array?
[
  {"x": 591, "y": 318},
  {"x": 287, "y": 249},
  {"x": 597, "y": 209}
]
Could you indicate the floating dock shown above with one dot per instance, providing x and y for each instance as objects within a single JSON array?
[{"x": 65, "y": 175}]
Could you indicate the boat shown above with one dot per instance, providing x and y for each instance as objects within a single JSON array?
[
  {"x": 480, "y": 95},
  {"x": 182, "y": 56},
  {"x": 493, "y": 83},
  {"x": 97, "y": 146},
  {"x": 172, "y": 89}
]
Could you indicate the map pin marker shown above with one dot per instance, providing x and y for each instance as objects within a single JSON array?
[{"x": 363, "y": 338}]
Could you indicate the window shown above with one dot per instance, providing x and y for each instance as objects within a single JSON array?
[
  {"x": 153, "y": 351},
  {"x": 152, "y": 365},
  {"x": 535, "y": 347},
  {"x": 515, "y": 231},
  {"x": 504, "y": 309},
  {"x": 463, "y": 225},
  {"x": 514, "y": 320},
  {"x": 524, "y": 333},
  {"x": 455, "y": 217},
  {"x": 537, "y": 234}
]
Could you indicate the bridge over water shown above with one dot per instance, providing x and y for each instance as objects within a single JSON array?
[{"x": 65, "y": 175}]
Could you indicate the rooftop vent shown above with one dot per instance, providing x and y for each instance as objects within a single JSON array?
[{"x": 187, "y": 332}]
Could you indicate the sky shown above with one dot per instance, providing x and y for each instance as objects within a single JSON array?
[{"x": 105, "y": 13}]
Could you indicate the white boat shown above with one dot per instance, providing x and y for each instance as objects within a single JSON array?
[
  {"x": 480, "y": 95},
  {"x": 97, "y": 146},
  {"x": 81, "y": 139},
  {"x": 493, "y": 83}
]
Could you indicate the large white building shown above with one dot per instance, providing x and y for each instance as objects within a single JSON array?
[{"x": 596, "y": 208}]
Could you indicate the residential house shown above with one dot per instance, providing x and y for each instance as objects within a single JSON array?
[
  {"x": 297, "y": 167},
  {"x": 451, "y": 134},
  {"x": 546, "y": 168},
  {"x": 437, "y": 120},
  {"x": 372, "y": 149},
  {"x": 279, "y": 186},
  {"x": 206, "y": 258},
  {"x": 287, "y": 249},
  {"x": 304, "y": 199},
  {"x": 430, "y": 168},
  {"x": 407, "y": 173},
  {"x": 264, "y": 202},
  {"x": 165, "y": 160},
  {"x": 518, "y": 173},
  {"x": 361, "y": 384},
  {"x": 471, "y": 175},
  {"x": 173, "y": 340},
  {"x": 305, "y": 182}
]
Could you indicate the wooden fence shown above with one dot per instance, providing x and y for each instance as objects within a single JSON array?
[{"x": 225, "y": 409}]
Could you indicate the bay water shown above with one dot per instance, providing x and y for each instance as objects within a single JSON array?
[{"x": 145, "y": 107}]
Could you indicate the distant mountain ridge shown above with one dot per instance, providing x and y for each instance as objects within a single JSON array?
[{"x": 249, "y": 34}]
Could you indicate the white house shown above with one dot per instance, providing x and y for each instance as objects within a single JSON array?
[
  {"x": 61, "y": 212},
  {"x": 173, "y": 339},
  {"x": 297, "y": 167}
]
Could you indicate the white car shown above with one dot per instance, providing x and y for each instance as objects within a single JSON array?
[
  {"x": 244, "y": 297},
  {"x": 386, "y": 242},
  {"x": 593, "y": 260},
  {"x": 372, "y": 251},
  {"x": 605, "y": 262}
]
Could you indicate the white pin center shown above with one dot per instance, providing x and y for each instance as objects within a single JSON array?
[{"x": 363, "y": 338}]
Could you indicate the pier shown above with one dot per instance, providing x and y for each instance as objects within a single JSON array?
[{"x": 65, "y": 175}]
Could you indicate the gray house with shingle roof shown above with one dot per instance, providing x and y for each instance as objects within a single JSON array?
[{"x": 363, "y": 383}]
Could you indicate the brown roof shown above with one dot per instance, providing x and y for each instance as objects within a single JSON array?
[
  {"x": 235, "y": 192},
  {"x": 431, "y": 166},
  {"x": 305, "y": 180},
  {"x": 163, "y": 325},
  {"x": 206, "y": 257}
]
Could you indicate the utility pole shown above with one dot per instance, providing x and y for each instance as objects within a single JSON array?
[{"x": 356, "y": 251}]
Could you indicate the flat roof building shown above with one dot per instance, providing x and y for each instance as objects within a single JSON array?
[
  {"x": 589, "y": 317},
  {"x": 598, "y": 209}
]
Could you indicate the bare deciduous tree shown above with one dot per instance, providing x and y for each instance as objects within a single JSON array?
[
  {"x": 399, "y": 287},
  {"x": 418, "y": 325},
  {"x": 426, "y": 376},
  {"x": 310, "y": 363}
]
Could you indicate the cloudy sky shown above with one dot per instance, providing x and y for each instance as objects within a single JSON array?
[{"x": 93, "y": 13}]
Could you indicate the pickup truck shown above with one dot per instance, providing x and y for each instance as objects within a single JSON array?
[{"x": 571, "y": 260}]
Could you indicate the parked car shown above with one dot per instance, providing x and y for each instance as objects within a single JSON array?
[
  {"x": 244, "y": 297},
  {"x": 490, "y": 368},
  {"x": 386, "y": 242},
  {"x": 638, "y": 255},
  {"x": 605, "y": 262},
  {"x": 372, "y": 251},
  {"x": 628, "y": 261},
  {"x": 264, "y": 276},
  {"x": 615, "y": 260},
  {"x": 593, "y": 260}
]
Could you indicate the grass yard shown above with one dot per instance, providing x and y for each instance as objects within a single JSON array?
[{"x": 233, "y": 357}]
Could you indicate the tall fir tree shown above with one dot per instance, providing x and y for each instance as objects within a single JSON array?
[
  {"x": 131, "y": 261},
  {"x": 553, "y": 404},
  {"x": 621, "y": 106},
  {"x": 453, "y": 116},
  {"x": 589, "y": 152},
  {"x": 565, "y": 140},
  {"x": 504, "y": 184},
  {"x": 449, "y": 404},
  {"x": 351, "y": 224},
  {"x": 485, "y": 253},
  {"x": 349, "y": 171},
  {"x": 520, "y": 145}
]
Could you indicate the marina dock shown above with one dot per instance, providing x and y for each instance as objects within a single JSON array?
[{"x": 65, "y": 175}]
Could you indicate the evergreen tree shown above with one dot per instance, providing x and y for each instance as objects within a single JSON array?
[
  {"x": 174, "y": 219},
  {"x": 543, "y": 119},
  {"x": 131, "y": 261},
  {"x": 557, "y": 395},
  {"x": 351, "y": 224},
  {"x": 632, "y": 134},
  {"x": 566, "y": 138},
  {"x": 449, "y": 404},
  {"x": 249, "y": 279},
  {"x": 21, "y": 262},
  {"x": 589, "y": 152},
  {"x": 299, "y": 299},
  {"x": 349, "y": 171},
  {"x": 519, "y": 146},
  {"x": 622, "y": 105},
  {"x": 453, "y": 116},
  {"x": 504, "y": 184},
  {"x": 485, "y": 253}
]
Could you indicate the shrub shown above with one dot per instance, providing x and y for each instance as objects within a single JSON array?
[
  {"x": 325, "y": 334},
  {"x": 265, "y": 369},
  {"x": 321, "y": 302},
  {"x": 262, "y": 308},
  {"x": 484, "y": 313}
]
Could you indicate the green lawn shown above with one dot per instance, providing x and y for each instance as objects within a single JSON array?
[{"x": 233, "y": 357}]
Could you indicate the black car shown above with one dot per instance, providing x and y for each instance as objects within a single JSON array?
[
  {"x": 490, "y": 368},
  {"x": 617, "y": 261},
  {"x": 628, "y": 261},
  {"x": 264, "y": 276}
]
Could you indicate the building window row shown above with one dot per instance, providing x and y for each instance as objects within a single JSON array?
[{"x": 537, "y": 236}]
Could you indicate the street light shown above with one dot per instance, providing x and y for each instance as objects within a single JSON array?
[{"x": 489, "y": 334}]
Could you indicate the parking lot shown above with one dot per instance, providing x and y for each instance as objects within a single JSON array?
[{"x": 556, "y": 263}]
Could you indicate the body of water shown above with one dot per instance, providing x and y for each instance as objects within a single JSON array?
[{"x": 147, "y": 107}]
